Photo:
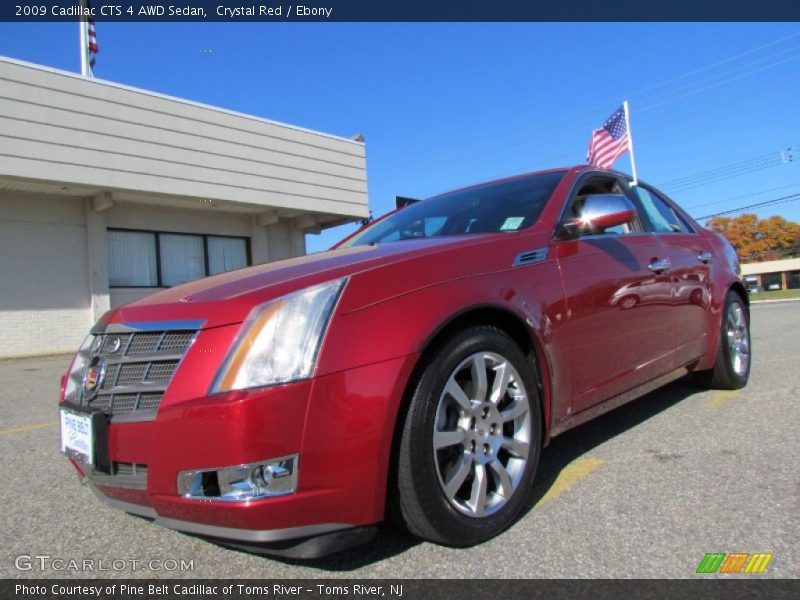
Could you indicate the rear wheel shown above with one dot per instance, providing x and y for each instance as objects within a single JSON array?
[
  {"x": 732, "y": 369},
  {"x": 471, "y": 440}
]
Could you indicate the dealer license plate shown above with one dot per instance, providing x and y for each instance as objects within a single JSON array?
[{"x": 77, "y": 436}]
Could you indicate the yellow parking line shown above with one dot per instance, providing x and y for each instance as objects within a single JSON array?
[
  {"x": 28, "y": 427},
  {"x": 569, "y": 476},
  {"x": 721, "y": 398}
]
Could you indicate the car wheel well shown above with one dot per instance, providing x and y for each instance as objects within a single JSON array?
[
  {"x": 737, "y": 287},
  {"x": 502, "y": 319},
  {"x": 506, "y": 321}
]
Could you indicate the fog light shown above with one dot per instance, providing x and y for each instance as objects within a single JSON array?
[{"x": 243, "y": 482}]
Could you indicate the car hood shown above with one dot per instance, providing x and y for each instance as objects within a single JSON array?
[{"x": 228, "y": 298}]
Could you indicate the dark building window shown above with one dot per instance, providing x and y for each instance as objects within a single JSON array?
[
  {"x": 160, "y": 259},
  {"x": 772, "y": 281}
]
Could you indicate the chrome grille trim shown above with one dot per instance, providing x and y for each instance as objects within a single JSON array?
[
  {"x": 139, "y": 362},
  {"x": 148, "y": 326}
]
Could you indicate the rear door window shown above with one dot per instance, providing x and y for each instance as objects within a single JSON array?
[{"x": 662, "y": 217}]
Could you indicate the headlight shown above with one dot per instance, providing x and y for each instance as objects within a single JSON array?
[
  {"x": 280, "y": 340},
  {"x": 79, "y": 361}
]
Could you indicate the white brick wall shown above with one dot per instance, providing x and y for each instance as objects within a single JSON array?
[
  {"x": 44, "y": 298},
  {"x": 45, "y": 294}
]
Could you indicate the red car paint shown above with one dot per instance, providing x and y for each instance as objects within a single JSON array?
[{"x": 600, "y": 321}]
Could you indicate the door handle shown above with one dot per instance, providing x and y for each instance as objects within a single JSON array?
[
  {"x": 657, "y": 266},
  {"x": 705, "y": 257}
]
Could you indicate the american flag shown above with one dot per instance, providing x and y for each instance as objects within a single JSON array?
[
  {"x": 610, "y": 141},
  {"x": 91, "y": 39}
]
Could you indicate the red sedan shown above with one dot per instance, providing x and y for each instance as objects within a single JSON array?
[{"x": 416, "y": 370}]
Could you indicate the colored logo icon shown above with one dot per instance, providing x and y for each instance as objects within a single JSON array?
[{"x": 736, "y": 562}]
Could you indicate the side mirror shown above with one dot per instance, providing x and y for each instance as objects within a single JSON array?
[{"x": 599, "y": 211}]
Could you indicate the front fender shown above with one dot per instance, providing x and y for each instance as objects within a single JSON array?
[{"x": 397, "y": 331}]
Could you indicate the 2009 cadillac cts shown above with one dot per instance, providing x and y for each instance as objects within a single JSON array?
[{"x": 415, "y": 370}]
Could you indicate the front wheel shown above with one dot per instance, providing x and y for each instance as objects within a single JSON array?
[
  {"x": 732, "y": 369},
  {"x": 471, "y": 440}
]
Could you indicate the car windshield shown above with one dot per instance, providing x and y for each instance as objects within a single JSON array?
[{"x": 493, "y": 207}]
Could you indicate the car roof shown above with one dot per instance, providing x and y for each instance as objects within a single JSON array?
[{"x": 573, "y": 169}]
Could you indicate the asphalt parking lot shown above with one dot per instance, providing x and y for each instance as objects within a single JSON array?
[{"x": 644, "y": 491}]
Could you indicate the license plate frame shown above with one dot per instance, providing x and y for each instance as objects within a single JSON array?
[
  {"x": 94, "y": 453},
  {"x": 78, "y": 436}
]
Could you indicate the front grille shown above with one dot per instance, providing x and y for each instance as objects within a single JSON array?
[
  {"x": 134, "y": 368},
  {"x": 130, "y": 469},
  {"x": 128, "y": 475},
  {"x": 120, "y": 404}
]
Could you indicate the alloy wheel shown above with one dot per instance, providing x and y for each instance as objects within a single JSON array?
[
  {"x": 482, "y": 434},
  {"x": 738, "y": 339}
]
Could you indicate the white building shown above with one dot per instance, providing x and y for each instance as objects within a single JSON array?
[
  {"x": 770, "y": 275},
  {"x": 108, "y": 193}
]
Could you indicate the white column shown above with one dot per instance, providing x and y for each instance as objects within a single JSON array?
[
  {"x": 280, "y": 240},
  {"x": 259, "y": 242},
  {"x": 97, "y": 240}
]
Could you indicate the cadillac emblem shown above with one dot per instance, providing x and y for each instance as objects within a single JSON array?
[{"x": 93, "y": 378}]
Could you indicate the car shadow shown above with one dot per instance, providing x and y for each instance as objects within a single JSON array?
[
  {"x": 389, "y": 541},
  {"x": 568, "y": 447}
]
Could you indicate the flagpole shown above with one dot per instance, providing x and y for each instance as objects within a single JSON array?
[
  {"x": 635, "y": 181},
  {"x": 82, "y": 22}
]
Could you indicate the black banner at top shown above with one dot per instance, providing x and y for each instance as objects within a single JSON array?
[{"x": 402, "y": 10}]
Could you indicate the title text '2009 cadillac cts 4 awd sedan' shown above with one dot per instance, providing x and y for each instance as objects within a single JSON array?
[{"x": 416, "y": 370}]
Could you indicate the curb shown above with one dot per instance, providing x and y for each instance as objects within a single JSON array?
[{"x": 775, "y": 301}]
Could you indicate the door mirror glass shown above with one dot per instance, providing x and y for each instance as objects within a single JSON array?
[{"x": 597, "y": 213}]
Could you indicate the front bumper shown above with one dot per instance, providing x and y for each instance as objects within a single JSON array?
[
  {"x": 340, "y": 425},
  {"x": 305, "y": 542}
]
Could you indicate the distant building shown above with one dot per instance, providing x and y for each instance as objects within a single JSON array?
[
  {"x": 772, "y": 275},
  {"x": 109, "y": 193}
]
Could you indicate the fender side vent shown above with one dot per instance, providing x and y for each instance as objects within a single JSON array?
[{"x": 530, "y": 256}]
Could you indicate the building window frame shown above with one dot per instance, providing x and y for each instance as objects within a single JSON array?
[{"x": 157, "y": 237}]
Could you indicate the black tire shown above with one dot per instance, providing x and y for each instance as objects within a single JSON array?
[
  {"x": 724, "y": 376},
  {"x": 421, "y": 502}
]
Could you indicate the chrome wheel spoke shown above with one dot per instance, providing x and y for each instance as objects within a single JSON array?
[
  {"x": 501, "y": 381},
  {"x": 454, "y": 390},
  {"x": 518, "y": 408},
  {"x": 479, "y": 383},
  {"x": 517, "y": 447},
  {"x": 502, "y": 479},
  {"x": 477, "y": 498},
  {"x": 459, "y": 474},
  {"x": 444, "y": 439}
]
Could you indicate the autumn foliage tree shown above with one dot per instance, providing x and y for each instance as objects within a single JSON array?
[{"x": 759, "y": 239}]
